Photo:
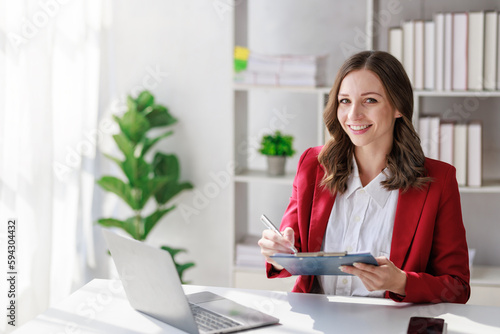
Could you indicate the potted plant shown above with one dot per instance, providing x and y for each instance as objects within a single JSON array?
[
  {"x": 277, "y": 147},
  {"x": 143, "y": 180}
]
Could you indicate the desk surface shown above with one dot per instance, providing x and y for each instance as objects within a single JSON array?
[{"x": 101, "y": 307}]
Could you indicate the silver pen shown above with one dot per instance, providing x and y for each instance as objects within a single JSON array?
[{"x": 271, "y": 226}]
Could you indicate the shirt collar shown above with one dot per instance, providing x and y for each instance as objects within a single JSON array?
[{"x": 374, "y": 188}]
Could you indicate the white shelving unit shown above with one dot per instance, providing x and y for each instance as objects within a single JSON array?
[
  {"x": 249, "y": 177},
  {"x": 246, "y": 177},
  {"x": 486, "y": 277}
]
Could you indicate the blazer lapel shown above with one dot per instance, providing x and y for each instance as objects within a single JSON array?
[
  {"x": 322, "y": 205},
  {"x": 408, "y": 211}
]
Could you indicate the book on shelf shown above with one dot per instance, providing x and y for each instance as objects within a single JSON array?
[
  {"x": 408, "y": 46},
  {"x": 446, "y": 137},
  {"x": 460, "y": 51},
  {"x": 490, "y": 49},
  {"x": 309, "y": 65},
  {"x": 459, "y": 144},
  {"x": 419, "y": 54},
  {"x": 283, "y": 70},
  {"x": 429, "y": 57},
  {"x": 448, "y": 50},
  {"x": 475, "y": 46},
  {"x": 460, "y": 153},
  {"x": 278, "y": 79},
  {"x": 454, "y": 51},
  {"x": 248, "y": 253},
  {"x": 474, "y": 154},
  {"x": 439, "y": 51},
  {"x": 424, "y": 132},
  {"x": 434, "y": 135},
  {"x": 396, "y": 43},
  {"x": 429, "y": 136}
]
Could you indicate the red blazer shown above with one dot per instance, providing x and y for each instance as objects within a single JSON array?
[{"x": 428, "y": 240}]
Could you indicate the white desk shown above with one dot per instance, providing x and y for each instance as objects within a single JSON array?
[{"x": 101, "y": 307}]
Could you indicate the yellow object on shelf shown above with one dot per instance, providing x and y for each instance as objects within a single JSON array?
[{"x": 240, "y": 58}]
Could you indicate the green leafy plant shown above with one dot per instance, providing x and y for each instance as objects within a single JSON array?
[
  {"x": 277, "y": 144},
  {"x": 158, "y": 179}
]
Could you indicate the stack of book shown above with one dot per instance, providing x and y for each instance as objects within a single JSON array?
[
  {"x": 458, "y": 144},
  {"x": 283, "y": 70},
  {"x": 248, "y": 253},
  {"x": 454, "y": 51}
]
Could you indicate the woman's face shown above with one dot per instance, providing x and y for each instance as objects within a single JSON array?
[{"x": 364, "y": 111}]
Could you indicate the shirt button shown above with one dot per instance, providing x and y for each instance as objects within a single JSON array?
[
  {"x": 349, "y": 249},
  {"x": 357, "y": 218},
  {"x": 344, "y": 281},
  {"x": 362, "y": 191}
]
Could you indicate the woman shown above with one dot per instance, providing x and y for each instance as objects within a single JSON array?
[{"x": 370, "y": 188}]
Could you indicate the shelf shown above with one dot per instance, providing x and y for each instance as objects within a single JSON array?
[
  {"x": 467, "y": 93},
  {"x": 251, "y": 176},
  {"x": 489, "y": 187},
  {"x": 296, "y": 89}
]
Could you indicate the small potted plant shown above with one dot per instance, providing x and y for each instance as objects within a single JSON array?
[{"x": 277, "y": 147}]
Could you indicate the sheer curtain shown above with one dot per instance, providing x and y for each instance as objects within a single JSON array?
[{"x": 49, "y": 127}]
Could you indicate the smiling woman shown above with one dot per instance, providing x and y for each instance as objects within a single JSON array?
[
  {"x": 381, "y": 83},
  {"x": 370, "y": 188}
]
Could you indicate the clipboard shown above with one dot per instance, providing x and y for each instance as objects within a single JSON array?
[{"x": 321, "y": 263}]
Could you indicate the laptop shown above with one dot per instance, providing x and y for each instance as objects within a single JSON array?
[{"x": 153, "y": 287}]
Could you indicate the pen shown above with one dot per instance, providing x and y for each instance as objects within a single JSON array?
[{"x": 271, "y": 226}]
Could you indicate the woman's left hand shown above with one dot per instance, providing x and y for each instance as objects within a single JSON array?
[{"x": 385, "y": 276}]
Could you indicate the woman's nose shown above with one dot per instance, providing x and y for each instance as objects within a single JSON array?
[{"x": 355, "y": 112}]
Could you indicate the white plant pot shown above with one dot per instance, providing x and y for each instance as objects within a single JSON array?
[{"x": 276, "y": 165}]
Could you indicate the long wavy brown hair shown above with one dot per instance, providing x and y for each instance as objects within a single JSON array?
[{"x": 406, "y": 159}]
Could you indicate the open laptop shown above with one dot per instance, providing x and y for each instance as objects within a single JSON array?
[{"x": 153, "y": 287}]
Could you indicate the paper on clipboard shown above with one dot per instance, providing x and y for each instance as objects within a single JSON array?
[{"x": 320, "y": 263}]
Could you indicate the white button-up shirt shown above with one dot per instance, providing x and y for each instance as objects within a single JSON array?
[{"x": 361, "y": 220}]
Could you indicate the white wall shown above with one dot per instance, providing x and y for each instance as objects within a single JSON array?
[{"x": 190, "y": 43}]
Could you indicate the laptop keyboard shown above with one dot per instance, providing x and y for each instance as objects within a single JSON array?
[{"x": 209, "y": 321}]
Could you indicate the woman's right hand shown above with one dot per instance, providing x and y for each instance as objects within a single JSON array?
[{"x": 271, "y": 243}]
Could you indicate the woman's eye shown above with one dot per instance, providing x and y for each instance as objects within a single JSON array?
[
  {"x": 371, "y": 100},
  {"x": 343, "y": 101}
]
